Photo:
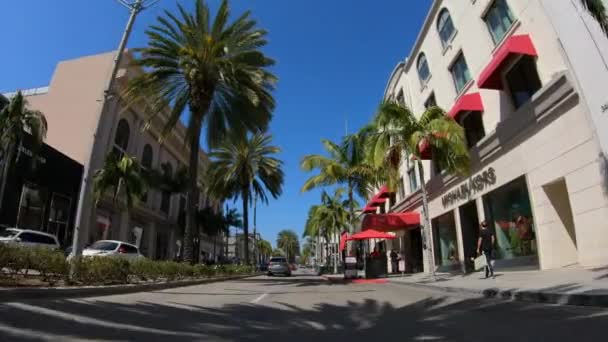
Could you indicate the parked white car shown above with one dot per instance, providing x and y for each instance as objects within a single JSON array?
[
  {"x": 112, "y": 248},
  {"x": 29, "y": 238}
]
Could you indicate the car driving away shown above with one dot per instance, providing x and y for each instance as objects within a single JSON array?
[
  {"x": 279, "y": 265},
  {"x": 28, "y": 238}
]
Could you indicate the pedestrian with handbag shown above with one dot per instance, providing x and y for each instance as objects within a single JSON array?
[{"x": 485, "y": 245}]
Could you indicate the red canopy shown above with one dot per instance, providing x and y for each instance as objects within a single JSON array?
[
  {"x": 466, "y": 103},
  {"x": 370, "y": 234},
  {"x": 392, "y": 221},
  {"x": 369, "y": 210},
  {"x": 515, "y": 45}
]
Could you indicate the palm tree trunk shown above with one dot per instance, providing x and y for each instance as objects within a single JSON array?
[
  {"x": 335, "y": 254},
  {"x": 192, "y": 201},
  {"x": 351, "y": 201},
  {"x": 427, "y": 240},
  {"x": 327, "y": 254},
  {"x": 5, "y": 170},
  {"x": 245, "y": 196}
]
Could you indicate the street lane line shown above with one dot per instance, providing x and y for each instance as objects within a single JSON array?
[{"x": 259, "y": 298}]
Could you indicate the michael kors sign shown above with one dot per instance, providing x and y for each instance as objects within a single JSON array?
[{"x": 475, "y": 184}]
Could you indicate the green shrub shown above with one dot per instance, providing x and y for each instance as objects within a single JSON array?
[
  {"x": 102, "y": 270},
  {"x": 50, "y": 263},
  {"x": 146, "y": 269}
]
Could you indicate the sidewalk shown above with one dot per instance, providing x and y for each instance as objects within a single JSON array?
[{"x": 571, "y": 285}]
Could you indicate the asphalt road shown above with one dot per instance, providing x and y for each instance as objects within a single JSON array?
[{"x": 299, "y": 308}]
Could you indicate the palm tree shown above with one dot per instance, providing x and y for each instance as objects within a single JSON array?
[
  {"x": 232, "y": 218},
  {"x": 243, "y": 166},
  {"x": 347, "y": 164},
  {"x": 287, "y": 240},
  {"x": 400, "y": 133},
  {"x": 597, "y": 9},
  {"x": 308, "y": 250},
  {"x": 15, "y": 120},
  {"x": 121, "y": 175},
  {"x": 265, "y": 249},
  {"x": 327, "y": 219},
  {"x": 214, "y": 70}
]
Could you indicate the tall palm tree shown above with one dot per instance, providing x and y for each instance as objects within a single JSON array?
[
  {"x": 123, "y": 177},
  {"x": 232, "y": 218},
  {"x": 243, "y": 166},
  {"x": 597, "y": 9},
  {"x": 211, "y": 68},
  {"x": 265, "y": 249},
  {"x": 287, "y": 240},
  {"x": 328, "y": 219},
  {"x": 347, "y": 164},
  {"x": 15, "y": 120},
  {"x": 400, "y": 133}
]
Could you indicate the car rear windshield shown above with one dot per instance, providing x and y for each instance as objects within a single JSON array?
[
  {"x": 8, "y": 233},
  {"x": 278, "y": 260},
  {"x": 104, "y": 246}
]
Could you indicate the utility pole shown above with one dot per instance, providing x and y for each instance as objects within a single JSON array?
[
  {"x": 96, "y": 147},
  {"x": 255, "y": 235}
]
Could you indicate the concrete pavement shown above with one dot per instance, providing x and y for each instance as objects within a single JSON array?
[{"x": 300, "y": 308}]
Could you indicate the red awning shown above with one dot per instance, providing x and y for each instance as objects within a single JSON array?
[
  {"x": 391, "y": 222},
  {"x": 380, "y": 197},
  {"x": 371, "y": 234},
  {"x": 369, "y": 210},
  {"x": 384, "y": 192},
  {"x": 466, "y": 103},
  {"x": 515, "y": 45}
]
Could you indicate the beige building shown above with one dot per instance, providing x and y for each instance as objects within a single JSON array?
[
  {"x": 504, "y": 70},
  {"x": 71, "y": 104}
]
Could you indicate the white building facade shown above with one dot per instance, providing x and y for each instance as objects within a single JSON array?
[{"x": 526, "y": 79}]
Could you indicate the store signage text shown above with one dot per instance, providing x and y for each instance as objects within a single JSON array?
[
  {"x": 29, "y": 153},
  {"x": 475, "y": 184}
]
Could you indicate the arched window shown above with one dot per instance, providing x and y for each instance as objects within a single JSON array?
[
  {"x": 147, "y": 156},
  {"x": 423, "y": 69},
  {"x": 445, "y": 27},
  {"x": 121, "y": 140}
]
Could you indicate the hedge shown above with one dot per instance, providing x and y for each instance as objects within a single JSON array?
[{"x": 51, "y": 266}]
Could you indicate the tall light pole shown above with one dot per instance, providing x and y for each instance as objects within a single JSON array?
[
  {"x": 96, "y": 146},
  {"x": 255, "y": 235}
]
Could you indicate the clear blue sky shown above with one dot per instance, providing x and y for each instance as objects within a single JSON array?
[{"x": 334, "y": 59}]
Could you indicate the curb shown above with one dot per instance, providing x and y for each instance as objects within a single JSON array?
[
  {"x": 576, "y": 299},
  {"x": 15, "y": 294}
]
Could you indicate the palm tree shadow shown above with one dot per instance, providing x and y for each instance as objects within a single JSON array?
[{"x": 439, "y": 318}]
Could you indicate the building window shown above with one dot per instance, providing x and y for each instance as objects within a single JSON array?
[
  {"x": 499, "y": 20},
  {"x": 59, "y": 218},
  {"x": 147, "y": 157},
  {"x": 423, "y": 69},
  {"x": 121, "y": 140},
  {"x": 444, "y": 238},
  {"x": 401, "y": 188},
  {"x": 31, "y": 207},
  {"x": 523, "y": 80},
  {"x": 472, "y": 122},
  {"x": 411, "y": 176},
  {"x": 401, "y": 98},
  {"x": 509, "y": 214},
  {"x": 445, "y": 27},
  {"x": 430, "y": 102},
  {"x": 460, "y": 73}
]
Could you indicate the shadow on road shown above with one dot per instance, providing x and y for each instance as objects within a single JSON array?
[{"x": 434, "y": 318}]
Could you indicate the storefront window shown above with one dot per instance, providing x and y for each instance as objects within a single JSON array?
[
  {"x": 509, "y": 213},
  {"x": 444, "y": 239},
  {"x": 59, "y": 217},
  {"x": 31, "y": 207}
]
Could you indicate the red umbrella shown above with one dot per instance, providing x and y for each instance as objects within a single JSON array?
[{"x": 371, "y": 234}]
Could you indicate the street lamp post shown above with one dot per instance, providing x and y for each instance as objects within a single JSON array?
[{"x": 96, "y": 147}]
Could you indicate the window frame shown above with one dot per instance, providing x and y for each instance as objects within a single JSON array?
[
  {"x": 422, "y": 58},
  {"x": 442, "y": 25},
  {"x": 510, "y": 15},
  {"x": 115, "y": 146},
  {"x": 461, "y": 121},
  {"x": 431, "y": 96},
  {"x": 411, "y": 170},
  {"x": 451, "y": 68},
  {"x": 507, "y": 84}
]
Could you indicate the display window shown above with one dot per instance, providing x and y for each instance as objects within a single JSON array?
[{"x": 444, "y": 240}]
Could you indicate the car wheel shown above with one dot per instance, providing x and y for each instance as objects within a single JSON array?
[{"x": 269, "y": 274}]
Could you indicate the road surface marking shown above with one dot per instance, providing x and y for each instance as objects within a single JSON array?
[{"x": 255, "y": 301}]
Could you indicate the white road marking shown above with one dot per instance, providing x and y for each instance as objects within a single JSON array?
[{"x": 259, "y": 298}]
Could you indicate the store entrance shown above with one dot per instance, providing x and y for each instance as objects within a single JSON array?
[
  {"x": 469, "y": 222},
  {"x": 416, "y": 250}
]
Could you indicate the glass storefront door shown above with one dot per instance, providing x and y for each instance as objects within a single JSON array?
[
  {"x": 444, "y": 240},
  {"x": 469, "y": 223},
  {"x": 509, "y": 214}
]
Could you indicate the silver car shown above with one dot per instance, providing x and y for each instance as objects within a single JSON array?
[{"x": 279, "y": 265}]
